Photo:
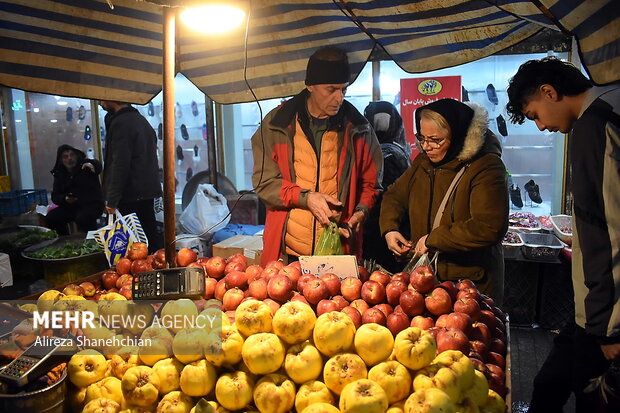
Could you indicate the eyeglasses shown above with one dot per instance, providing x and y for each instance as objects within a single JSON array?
[{"x": 433, "y": 143}]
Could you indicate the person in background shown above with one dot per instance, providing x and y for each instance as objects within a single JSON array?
[
  {"x": 454, "y": 139},
  {"x": 316, "y": 160},
  {"x": 76, "y": 191},
  {"x": 130, "y": 177},
  {"x": 388, "y": 126},
  {"x": 558, "y": 97}
]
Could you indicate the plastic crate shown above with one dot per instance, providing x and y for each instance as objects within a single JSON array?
[
  {"x": 560, "y": 224},
  {"x": 20, "y": 200},
  {"x": 511, "y": 249},
  {"x": 541, "y": 247}
]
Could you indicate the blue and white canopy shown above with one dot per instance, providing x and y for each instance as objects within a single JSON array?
[{"x": 84, "y": 48}]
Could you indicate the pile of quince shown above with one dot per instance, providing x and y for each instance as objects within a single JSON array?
[{"x": 278, "y": 362}]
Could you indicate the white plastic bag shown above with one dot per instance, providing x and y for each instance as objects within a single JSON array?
[{"x": 206, "y": 213}]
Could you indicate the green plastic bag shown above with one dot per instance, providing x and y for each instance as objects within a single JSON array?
[{"x": 329, "y": 241}]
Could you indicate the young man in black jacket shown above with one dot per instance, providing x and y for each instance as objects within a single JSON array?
[
  {"x": 558, "y": 97},
  {"x": 131, "y": 172},
  {"x": 76, "y": 191}
]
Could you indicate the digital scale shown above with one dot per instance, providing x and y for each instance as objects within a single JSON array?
[
  {"x": 169, "y": 283},
  {"x": 33, "y": 363}
]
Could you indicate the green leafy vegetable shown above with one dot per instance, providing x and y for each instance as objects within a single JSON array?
[{"x": 68, "y": 250}]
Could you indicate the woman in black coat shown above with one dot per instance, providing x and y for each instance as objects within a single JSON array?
[{"x": 77, "y": 191}]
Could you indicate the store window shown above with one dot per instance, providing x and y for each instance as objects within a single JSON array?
[{"x": 529, "y": 155}]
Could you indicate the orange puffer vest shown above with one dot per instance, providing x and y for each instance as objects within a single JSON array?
[{"x": 302, "y": 231}]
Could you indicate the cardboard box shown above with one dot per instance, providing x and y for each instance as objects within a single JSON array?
[{"x": 249, "y": 245}]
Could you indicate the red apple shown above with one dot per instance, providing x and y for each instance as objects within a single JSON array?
[
  {"x": 210, "y": 284},
  {"x": 381, "y": 277},
  {"x": 438, "y": 302},
  {"x": 293, "y": 273},
  {"x": 373, "y": 292},
  {"x": 385, "y": 308},
  {"x": 326, "y": 306},
  {"x": 393, "y": 290},
  {"x": 299, "y": 297},
  {"x": 140, "y": 266},
  {"x": 341, "y": 301},
  {"x": 498, "y": 333},
  {"x": 315, "y": 291},
  {"x": 215, "y": 267},
  {"x": 273, "y": 306},
  {"x": 277, "y": 264},
  {"x": 351, "y": 288},
  {"x": 465, "y": 283},
  {"x": 479, "y": 365},
  {"x": 480, "y": 331},
  {"x": 363, "y": 273},
  {"x": 238, "y": 279},
  {"x": 459, "y": 321},
  {"x": 123, "y": 266},
  {"x": 253, "y": 272},
  {"x": 423, "y": 279},
  {"x": 479, "y": 347},
  {"x": 488, "y": 300},
  {"x": 232, "y": 298},
  {"x": 123, "y": 280},
  {"x": 452, "y": 339},
  {"x": 269, "y": 272},
  {"x": 74, "y": 289},
  {"x": 234, "y": 266},
  {"x": 374, "y": 315},
  {"x": 113, "y": 290},
  {"x": 159, "y": 258},
  {"x": 332, "y": 282},
  {"x": 295, "y": 264},
  {"x": 360, "y": 305},
  {"x": 498, "y": 346},
  {"x": 280, "y": 288},
  {"x": 258, "y": 289},
  {"x": 468, "y": 306},
  {"x": 303, "y": 280},
  {"x": 186, "y": 256},
  {"x": 497, "y": 371},
  {"x": 422, "y": 322},
  {"x": 138, "y": 251},
  {"x": 468, "y": 293},
  {"x": 220, "y": 289},
  {"x": 499, "y": 314},
  {"x": 239, "y": 258},
  {"x": 397, "y": 322},
  {"x": 398, "y": 309},
  {"x": 125, "y": 291},
  {"x": 412, "y": 303},
  {"x": 89, "y": 288},
  {"x": 402, "y": 277},
  {"x": 434, "y": 331},
  {"x": 450, "y": 287},
  {"x": 487, "y": 317},
  {"x": 495, "y": 358},
  {"x": 354, "y": 314}
]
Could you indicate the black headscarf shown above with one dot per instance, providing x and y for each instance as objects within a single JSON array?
[{"x": 458, "y": 115}]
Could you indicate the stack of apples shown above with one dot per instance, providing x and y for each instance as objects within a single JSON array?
[{"x": 276, "y": 362}]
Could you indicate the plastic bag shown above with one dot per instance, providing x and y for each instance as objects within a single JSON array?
[
  {"x": 329, "y": 241},
  {"x": 423, "y": 260},
  {"x": 206, "y": 213},
  {"x": 116, "y": 237}
]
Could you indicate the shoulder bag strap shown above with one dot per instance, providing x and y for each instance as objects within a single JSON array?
[{"x": 444, "y": 201}]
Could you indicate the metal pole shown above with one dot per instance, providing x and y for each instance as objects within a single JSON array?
[
  {"x": 376, "y": 87},
  {"x": 168, "y": 102},
  {"x": 211, "y": 141}
]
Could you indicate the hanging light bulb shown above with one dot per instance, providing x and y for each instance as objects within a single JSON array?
[{"x": 214, "y": 17}]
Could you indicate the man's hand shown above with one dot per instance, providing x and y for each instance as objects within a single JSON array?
[
  {"x": 89, "y": 166},
  {"x": 397, "y": 243},
  {"x": 70, "y": 199},
  {"x": 320, "y": 205},
  {"x": 611, "y": 351},
  {"x": 355, "y": 222},
  {"x": 110, "y": 210},
  {"x": 420, "y": 246}
]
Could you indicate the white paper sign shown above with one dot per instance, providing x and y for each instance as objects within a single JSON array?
[{"x": 342, "y": 265}]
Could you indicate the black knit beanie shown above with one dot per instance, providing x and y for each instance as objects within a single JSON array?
[
  {"x": 458, "y": 115},
  {"x": 323, "y": 72}
]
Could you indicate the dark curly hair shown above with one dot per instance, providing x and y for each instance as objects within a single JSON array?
[{"x": 565, "y": 78}]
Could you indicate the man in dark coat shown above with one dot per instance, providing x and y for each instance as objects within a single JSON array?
[
  {"x": 76, "y": 191},
  {"x": 131, "y": 174}
]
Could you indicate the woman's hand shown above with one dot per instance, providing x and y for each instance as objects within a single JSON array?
[
  {"x": 397, "y": 243},
  {"x": 420, "y": 246}
]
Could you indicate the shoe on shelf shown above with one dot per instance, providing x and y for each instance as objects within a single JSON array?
[
  {"x": 533, "y": 191},
  {"x": 492, "y": 94},
  {"x": 515, "y": 196}
]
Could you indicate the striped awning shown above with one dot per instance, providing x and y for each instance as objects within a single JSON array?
[{"x": 85, "y": 49}]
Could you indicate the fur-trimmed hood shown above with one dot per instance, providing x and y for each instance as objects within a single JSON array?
[{"x": 479, "y": 139}]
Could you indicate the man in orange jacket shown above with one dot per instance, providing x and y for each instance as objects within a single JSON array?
[{"x": 316, "y": 160}]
